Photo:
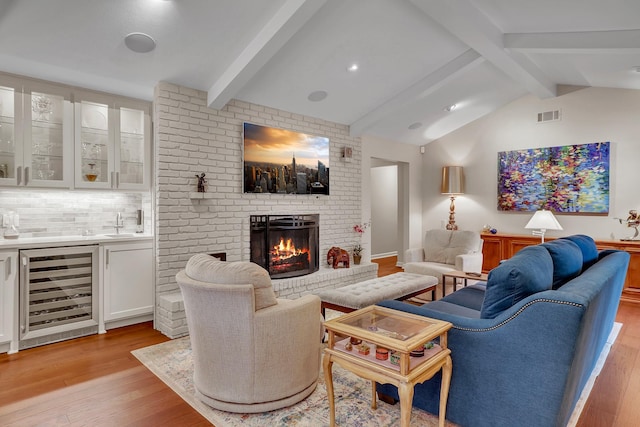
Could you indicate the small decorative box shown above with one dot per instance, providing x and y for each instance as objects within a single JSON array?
[
  {"x": 382, "y": 353},
  {"x": 418, "y": 352},
  {"x": 394, "y": 358},
  {"x": 363, "y": 349}
]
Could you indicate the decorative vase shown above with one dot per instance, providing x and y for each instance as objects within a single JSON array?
[{"x": 356, "y": 259}]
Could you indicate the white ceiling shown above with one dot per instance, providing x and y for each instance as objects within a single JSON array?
[{"x": 415, "y": 56}]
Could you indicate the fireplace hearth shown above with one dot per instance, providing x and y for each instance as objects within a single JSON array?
[{"x": 285, "y": 245}]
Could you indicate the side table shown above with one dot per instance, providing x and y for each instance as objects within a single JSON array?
[
  {"x": 455, "y": 275},
  {"x": 397, "y": 333}
]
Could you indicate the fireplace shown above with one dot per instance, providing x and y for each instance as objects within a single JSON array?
[{"x": 285, "y": 245}]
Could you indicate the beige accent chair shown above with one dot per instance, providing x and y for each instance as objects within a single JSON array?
[
  {"x": 444, "y": 251},
  {"x": 251, "y": 351}
]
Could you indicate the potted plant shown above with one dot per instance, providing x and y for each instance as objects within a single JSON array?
[
  {"x": 357, "y": 247},
  {"x": 357, "y": 253}
]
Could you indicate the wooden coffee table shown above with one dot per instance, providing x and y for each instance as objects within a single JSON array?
[
  {"x": 455, "y": 275},
  {"x": 394, "y": 331}
]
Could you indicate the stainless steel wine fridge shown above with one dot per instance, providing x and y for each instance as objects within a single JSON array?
[{"x": 58, "y": 294}]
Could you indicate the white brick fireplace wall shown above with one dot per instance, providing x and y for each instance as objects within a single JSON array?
[{"x": 192, "y": 138}]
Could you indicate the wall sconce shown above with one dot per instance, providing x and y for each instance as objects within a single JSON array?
[
  {"x": 347, "y": 153},
  {"x": 452, "y": 185},
  {"x": 543, "y": 220}
]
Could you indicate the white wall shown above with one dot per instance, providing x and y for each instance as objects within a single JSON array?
[
  {"x": 384, "y": 210},
  {"x": 588, "y": 115},
  {"x": 410, "y": 187}
]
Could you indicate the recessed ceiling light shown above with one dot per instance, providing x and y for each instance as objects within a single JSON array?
[
  {"x": 450, "y": 108},
  {"x": 317, "y": 96},
  {"x": 140, "y": 42},
  {"x": 352, "y": 68},
  {"x": 414, "y": 126}
]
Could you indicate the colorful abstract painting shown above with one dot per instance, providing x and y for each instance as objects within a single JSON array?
[{"x": 567, "y": 179}]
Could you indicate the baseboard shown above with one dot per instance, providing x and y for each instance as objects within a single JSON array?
[
  {"x": 384, "y": 255},
  {"x": 128, "y": 321}
]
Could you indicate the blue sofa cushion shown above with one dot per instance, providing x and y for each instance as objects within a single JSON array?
[
  {"x": 567, "y": 260},
  {"x": 588, "y": 247},
  {"x": 529, "y": 271},
  {"x": 443, "y": 306},
  {"x": 469, "y": 297}
]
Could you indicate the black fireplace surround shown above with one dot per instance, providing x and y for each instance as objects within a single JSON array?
[{"x": 285, "y": 245}]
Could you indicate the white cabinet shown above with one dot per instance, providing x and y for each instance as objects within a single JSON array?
[
  {"x": 112, "y": 143},
  {"x": 36, "y": 134},
  {"x": 8, "y": 301},
  {"x": 128, "y": 281}
]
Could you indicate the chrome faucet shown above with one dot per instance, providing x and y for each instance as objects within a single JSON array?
[{"x": 119, "y": 223}]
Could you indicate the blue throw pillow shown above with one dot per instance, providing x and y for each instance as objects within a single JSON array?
[
  {"x": 567, "y": 260},
  {"x": 588, "y": 247},
  {"x": 529, "y": 271}
]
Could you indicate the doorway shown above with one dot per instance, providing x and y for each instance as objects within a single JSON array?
[{"x": 389, "y": 208}]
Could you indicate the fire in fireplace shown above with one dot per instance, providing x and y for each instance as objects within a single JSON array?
[{"x": 285, "y": 245}]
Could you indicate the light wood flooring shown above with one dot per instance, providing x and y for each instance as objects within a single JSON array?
[{"x": 95, "y": 381}]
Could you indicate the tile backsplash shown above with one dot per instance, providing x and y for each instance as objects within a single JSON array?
[{"x": 56, "y": 213}]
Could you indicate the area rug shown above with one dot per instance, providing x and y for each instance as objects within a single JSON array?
[{"x": 172, "y": 363}]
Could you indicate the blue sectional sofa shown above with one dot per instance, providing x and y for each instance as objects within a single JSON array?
[{"x": 525, "y": 342}]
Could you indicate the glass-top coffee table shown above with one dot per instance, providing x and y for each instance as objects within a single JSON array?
[{"x": 389, "y": 346}]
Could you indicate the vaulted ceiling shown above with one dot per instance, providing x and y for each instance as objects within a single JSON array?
[{"x": 414, "y": 57}]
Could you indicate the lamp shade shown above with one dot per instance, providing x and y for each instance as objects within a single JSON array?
[
  {"x": 543, "y": 220},
  {"x": 452, "y": 180}
]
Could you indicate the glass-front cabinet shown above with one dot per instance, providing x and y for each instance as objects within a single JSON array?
[
  {"x": 48, "y": 135},
  {"x": 112, "y": 145},
  {"x": 10, "y": 135},
  {"x": 94, "y": 145},
  {"x": 36, "y": 134},
  {"x": 133, "y": 151},
  {"x": 57, "y": 136}
]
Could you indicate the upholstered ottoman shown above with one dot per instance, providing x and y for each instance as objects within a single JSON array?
[{"x": 398, "y": 286}]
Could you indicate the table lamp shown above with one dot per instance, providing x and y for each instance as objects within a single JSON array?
[
  {"x": 542, "y": 221},
  {"x": 452, "y": 185}
]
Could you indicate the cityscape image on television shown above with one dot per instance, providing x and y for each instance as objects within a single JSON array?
[{"x": 285, "y": 162}]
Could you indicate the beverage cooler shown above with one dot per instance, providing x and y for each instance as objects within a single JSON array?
[{"x": 58, "y": 294}]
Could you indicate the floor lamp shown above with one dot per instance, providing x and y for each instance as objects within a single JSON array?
[
  {"x": 452, "y": 185},
  {"x": 541, "y": 221}
]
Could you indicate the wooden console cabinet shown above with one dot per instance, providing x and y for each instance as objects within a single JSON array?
[{"x": 500, "y": 246}]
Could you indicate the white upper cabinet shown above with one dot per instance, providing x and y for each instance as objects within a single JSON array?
[
  {"x": 48, "y": 138},
  {"x": 36, "y": 134},
  {"x": 112, "y": 144},
  {"x": 58, "y": 136},
  {"x": 10, "y": 135},
  {"x": 133, "y": 149}
]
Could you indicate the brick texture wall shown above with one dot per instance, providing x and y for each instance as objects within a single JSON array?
[{"x": 191, "y": 138}]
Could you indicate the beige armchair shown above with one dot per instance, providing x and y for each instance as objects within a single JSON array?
[
  {"x": 251, "y": 351},
  {"x": 444, "y": 251}
]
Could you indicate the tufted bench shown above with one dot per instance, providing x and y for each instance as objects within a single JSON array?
[{"x": 398, "y": 286}]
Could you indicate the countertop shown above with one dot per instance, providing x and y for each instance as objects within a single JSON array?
[{"x": 26, "y": 242}]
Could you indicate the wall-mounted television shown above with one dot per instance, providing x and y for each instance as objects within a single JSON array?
[{"x": 282, "y": 161}]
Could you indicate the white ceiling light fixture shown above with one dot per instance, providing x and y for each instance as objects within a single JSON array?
[
  {"x": 353, "y": 68},
  {"x": 140, "y": 42},
  {"x": 450, "y": 108},
  {"x": 317, "y": 96}
]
